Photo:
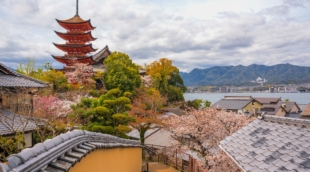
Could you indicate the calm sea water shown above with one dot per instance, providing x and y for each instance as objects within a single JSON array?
[{"x": 299, "y": 98}]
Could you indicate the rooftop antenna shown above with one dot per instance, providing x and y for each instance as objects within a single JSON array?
[{"x": 77, "y": 7}]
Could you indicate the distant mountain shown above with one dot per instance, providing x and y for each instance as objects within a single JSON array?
[{"x": 243, "y": 75}]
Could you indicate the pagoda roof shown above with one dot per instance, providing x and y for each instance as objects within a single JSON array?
[
  {"x": 67, "y": 47},
  {"x": 68, "y": 59},
  {"x": 76, "y": 21},
  {"x": 88, "y": 36},
  {"x": 102, "y": 54}
]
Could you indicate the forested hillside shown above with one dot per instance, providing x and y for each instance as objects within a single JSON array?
[{"x": 243, "y": 75}]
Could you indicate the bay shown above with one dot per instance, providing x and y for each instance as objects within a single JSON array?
[{"x": 299, "y": 98}]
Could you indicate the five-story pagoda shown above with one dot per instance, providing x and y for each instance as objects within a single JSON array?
[
  {"x": 78, "y": 36},
  {"x": 78, "y": 46}
]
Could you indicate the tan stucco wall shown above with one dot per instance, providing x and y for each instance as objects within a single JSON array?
[
  {"x": 111, "y": 160},
  {"x": 249, "y": 107},
  {"x": 280, "y": 112}
]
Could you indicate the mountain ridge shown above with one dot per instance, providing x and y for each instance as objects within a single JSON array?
[{"x": 243, "y": 75}]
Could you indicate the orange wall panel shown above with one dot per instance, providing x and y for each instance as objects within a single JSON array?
[{"x": 111, "y": 160}]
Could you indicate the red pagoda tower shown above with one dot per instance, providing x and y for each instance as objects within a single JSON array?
[{"x": 78, "y": 46}]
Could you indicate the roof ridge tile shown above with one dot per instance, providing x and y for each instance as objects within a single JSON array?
[{"x": 75, "y": 143}]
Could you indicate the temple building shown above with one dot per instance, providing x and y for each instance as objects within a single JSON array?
[{"x": 78, "y": 47}]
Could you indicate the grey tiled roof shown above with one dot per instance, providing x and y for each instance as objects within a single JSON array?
[
  {"x": 293, "y": 115},
  {"x": 230, "y": 104},
  {"x": 271, "y": 144},
  {"x": 267, "y": 100},
  {"x": 63, "y": 152},
  {"x": 14, "y": 81},
  {"x": 10, "y": 78},
  {"x": 10, "y": 122},
  {"x": 102, "y": 54},
  {"x": 289, "y": 105}
]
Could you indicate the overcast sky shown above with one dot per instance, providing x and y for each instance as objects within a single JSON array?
[{"x": 192, "y": 33}]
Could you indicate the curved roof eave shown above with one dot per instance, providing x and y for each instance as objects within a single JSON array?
[
  {"x": 87, "y": 21},
  {"x": 76, "y": 142}
]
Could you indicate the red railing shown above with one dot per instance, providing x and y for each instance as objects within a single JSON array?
[{"x": 173, "y": 157}]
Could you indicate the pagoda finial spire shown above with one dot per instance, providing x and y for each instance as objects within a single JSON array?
[{"x": 77, "y": 7}]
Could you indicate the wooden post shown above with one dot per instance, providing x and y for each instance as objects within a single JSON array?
[
  {"x": 176, "y": 159},
  {"x": 182, "y": 166}
]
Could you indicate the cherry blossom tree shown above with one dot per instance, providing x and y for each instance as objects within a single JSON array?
[
  {"x": 78, "y": 73},
  {"x": 49, "y": 112},
  {"x": 202, "y": 130}
]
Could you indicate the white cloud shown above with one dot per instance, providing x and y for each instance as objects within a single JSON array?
[{"x": 194, "y": 34}]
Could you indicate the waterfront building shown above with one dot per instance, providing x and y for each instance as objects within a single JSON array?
[
  {"x": 246, "y": 105},
  {"x": 223, "y": 89},
  {"x": 78, "y": 47},
  {"x": 212, "y": 89}
]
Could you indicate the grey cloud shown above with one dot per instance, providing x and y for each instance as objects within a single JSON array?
[
  {"x": 147, "y": 33},
  {"x": 178, "y": 18},
  {"x": 295, "y": 3},
  {"x": 277, "y": 10},
  {"x": 237, "y": 42}
]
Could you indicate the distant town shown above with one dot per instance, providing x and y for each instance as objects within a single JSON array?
[{"x": 262, "y": 88}]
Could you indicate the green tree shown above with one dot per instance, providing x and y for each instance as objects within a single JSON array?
[
  {"x": 166, "y": 79},
  {"x": 174, "y": 94},
  {"x": 198, "y": 104},
  {"x": 176, "y": 80},
  {"x": 121, "y": 73},
  {"x": 161, "y": 72},
  {"x": 106, "y": 114},
  {"x": 10, "y": 146},
  {"x": 206, "y": 104},
  {"x": 56, "y": 78}
]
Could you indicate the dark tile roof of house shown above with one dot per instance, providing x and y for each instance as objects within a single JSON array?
[
  {"x": 267, "y": 100},
  {"x": 10, "y": 78},
  {"x": 292, "y": 115},
  {"x": 289, "y": 105},
  {"x": 230, "y": 104},
  {"x": 306, "y": 111},
  {"x": 272, "y": 109},
  {"x": 11, "y": 123},
  {"x": 63, "y": 152},
  {"x": 271, "y": 143}
]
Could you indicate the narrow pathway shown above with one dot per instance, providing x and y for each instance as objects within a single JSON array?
[{"x": 159, "y": 167}]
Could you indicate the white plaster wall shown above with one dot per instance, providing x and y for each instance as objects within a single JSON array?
[{"x": 28, "y": 139}]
